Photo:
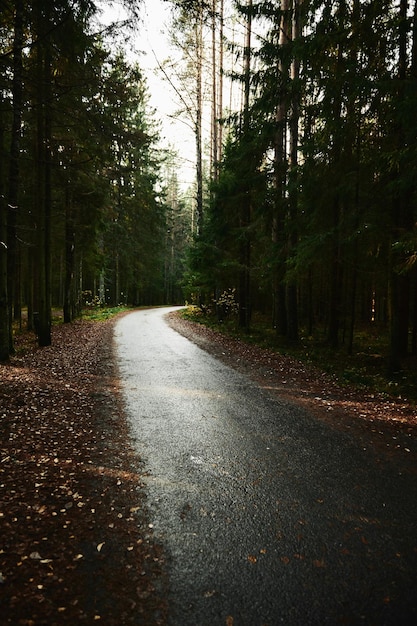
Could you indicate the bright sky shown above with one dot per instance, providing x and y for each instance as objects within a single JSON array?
[
  {"x": 153, "y": 40},
  {"x": 149, "y": 46}
]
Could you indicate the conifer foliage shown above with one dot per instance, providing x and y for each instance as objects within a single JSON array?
[
  {"x": 326, "y": 152},
  {"x": 81, "y": 213}
]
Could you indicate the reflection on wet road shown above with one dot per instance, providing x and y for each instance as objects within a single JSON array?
[{"x": 266, "y": 515}]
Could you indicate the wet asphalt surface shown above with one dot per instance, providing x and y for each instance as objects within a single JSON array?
[{"x": 266, "y": 515}]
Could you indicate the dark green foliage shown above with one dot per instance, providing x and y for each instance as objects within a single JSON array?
[
  {"x": 88, "y": 212},
  {"x": 333, "y": 231}
]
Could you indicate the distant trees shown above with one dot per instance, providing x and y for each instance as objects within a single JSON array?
[{"x": 82, "y": 211}]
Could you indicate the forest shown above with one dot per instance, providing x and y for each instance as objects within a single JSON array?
[
  {"x": 83, "y": 217},
  {"x": 303, "y": 208}
]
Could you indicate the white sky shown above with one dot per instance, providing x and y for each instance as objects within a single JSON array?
[
  {"x": 153, "y": 40},
  {"x": 148, "y": 47}
]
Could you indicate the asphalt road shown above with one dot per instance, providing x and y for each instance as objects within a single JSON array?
[{"x": 267, "y": 516}]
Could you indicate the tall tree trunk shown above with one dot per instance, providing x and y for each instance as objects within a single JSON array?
[
  {"x": 245, "y": 212},
  {"x": 217, "y": 85},
  {"x": 214, "y": 90},
  {"x": 43, "y": 177},
  {"x": 292, "y": 298},
  {"x": 399, "y": 284},
  {"x": 199, "y": 117},
  {"x": 336, "y": 269},
  {"x": 13, "y": 190},
  {"x": 279, "y": 315},
  {"x": 220, "y": 90},
  {"x": 4, "y": 308},
  {"x": 69, "y": 307}
]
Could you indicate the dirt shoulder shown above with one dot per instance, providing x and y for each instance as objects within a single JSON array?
[{"x": 75, "y": 546}]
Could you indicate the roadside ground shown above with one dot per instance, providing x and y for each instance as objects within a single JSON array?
[
  {"x": 75, "y": 541},
  {"x": 75, "y": 546}
]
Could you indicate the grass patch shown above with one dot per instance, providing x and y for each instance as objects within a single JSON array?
[{"x": 101, "y": 314}]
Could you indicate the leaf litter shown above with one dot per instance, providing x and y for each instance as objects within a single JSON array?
[
  {"x": 75, "y": 543},
  {"x": 386, "y": 424},
  {"x": 70, "y": 485}
]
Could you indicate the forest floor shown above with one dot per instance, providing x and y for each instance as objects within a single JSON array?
[
  {"x": 75, "y": 540},
  {"x": 386, "y": 422},
  {"x": 75, "y": 547}
]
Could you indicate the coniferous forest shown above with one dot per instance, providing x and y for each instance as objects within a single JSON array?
[
  {"x": 83, "y": 217},
  {"x": 304, "y": 202}
]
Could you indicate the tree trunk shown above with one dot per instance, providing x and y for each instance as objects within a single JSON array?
[
  {"x": 13, "y": 190},
  {"x": 336, "y": 279},
  {"x": 4, "y": 308},
  {"x": 402, "y": 217},
  {"x": 199, "y": 115},
  {"x": 292, "y": 297},
  {"x": 336, "y": 269},
  {"x": 68, "y": 307},
  {"x": 279, "y": 314},
  {"x": 220, "y": 90},
  {"x": 245, "y": 212},
  {"x": 43, "y": 179},
  {"x": 214, "y": 114}
]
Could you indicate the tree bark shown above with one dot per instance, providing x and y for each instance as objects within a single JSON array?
[
  {"x": 199, "y": 116},
  {"x": 68, "y": 307},
  {"x": 214, "y": 119},
  {"x": 279, "y": 314},
  {"x": 4, "y": 308},
  {"x": 13, "y": 189},
  {"x": 43, "y": 178},
  {"x": 402, "y": 219},
  {"x": 336, "y": 270},
  {"x": 245, "y": 212},
  {"x": 292, "y": 297}
]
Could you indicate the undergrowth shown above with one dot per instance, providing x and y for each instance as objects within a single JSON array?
[
  {"x": 101, "y": 314},
  {"x": 365, "y": 368}
]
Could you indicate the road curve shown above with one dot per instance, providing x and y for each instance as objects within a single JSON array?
[{"x": 266, "y": 515}]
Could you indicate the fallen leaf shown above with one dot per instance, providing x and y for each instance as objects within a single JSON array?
[
  {"x": 319, "y": 563},
  {"x": 100, "y": 545},
  {"x": 285, "y": 560},
  {"x": 252, "y": 559}
]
